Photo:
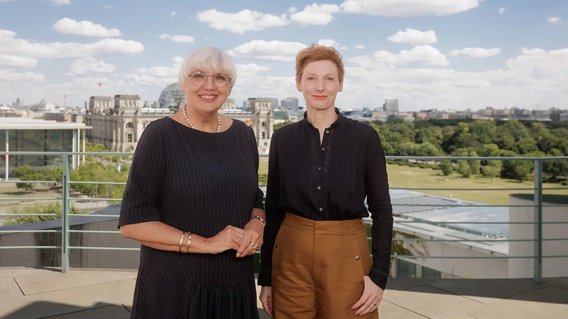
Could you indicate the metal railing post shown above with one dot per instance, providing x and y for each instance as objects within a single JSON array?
[
  {"x": 65, "y": 216},
  {"x": 537, "y": 221}
]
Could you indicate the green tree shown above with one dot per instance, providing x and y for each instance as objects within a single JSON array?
[
  {"x": 43, "y": 212},
  {"x": 446, "y": 167},
  {"x": 515, "y": 169}
]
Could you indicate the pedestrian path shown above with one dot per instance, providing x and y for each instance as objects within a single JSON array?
[{"x": 27, "y": 293}]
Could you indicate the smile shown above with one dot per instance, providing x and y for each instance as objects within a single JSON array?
[
  {"x": 319, "y": 97},
  {"x": 208, "y": 97}
]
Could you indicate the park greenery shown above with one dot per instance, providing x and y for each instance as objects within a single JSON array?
[
  {"x": 106, "y": 168},
  {"x": 480, "y": 138},
  {"x": 477, "y": 138}
]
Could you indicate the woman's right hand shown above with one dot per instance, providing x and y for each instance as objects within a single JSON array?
[
  {"x": 266, "y": 299},
  {"x": 229, "y": 238}
]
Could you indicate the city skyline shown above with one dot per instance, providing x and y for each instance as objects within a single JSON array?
[{"x": 444, "y": 54}]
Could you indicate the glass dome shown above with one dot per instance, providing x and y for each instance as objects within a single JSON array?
[{"x": 171, "y": 97}]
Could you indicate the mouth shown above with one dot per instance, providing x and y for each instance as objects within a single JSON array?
[
  {"x": 208, "y": 98},
  {"x": 319, "y": 97}
]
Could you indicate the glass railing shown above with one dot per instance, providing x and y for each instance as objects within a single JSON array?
[{"x": 446, "y": 226}]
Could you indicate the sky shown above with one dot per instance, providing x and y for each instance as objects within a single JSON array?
[{"x": 430, "y": 54}]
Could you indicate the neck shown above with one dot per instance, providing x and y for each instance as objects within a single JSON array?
[
  {"x": 322, "y": 119},
  {"x": 207, "y": 122}
]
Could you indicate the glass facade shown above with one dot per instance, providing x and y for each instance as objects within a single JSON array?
[
  {"x": 171, "y": 97},
  {"x": 34, "y": 140}
]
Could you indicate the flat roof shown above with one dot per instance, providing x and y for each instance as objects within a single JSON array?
[{"x": 24, "y": 123}]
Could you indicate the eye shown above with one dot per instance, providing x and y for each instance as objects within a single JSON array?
[
  {"x": 310, "y": 78},
  {"x": 221, "y": 78},
  {"x": 198, "y": 76}
]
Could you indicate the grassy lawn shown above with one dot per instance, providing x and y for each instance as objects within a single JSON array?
[{"x": 489, "y": 189}]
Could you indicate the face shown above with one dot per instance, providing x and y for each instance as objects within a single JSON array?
[
  {"x": 206, "y": 96},
  {"x": 320, "y": 84}
]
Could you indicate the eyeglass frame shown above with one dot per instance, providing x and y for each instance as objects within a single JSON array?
[{"x": 205, "y": 75}]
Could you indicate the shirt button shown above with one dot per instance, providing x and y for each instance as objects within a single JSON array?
[
  {"x": 323, "y": 149},
  {"x": 319, "y": 187},
  {"x": 327, "y": 131},
  {"x": 321, "y": 209},
  {"x": 319, "y": 168}
]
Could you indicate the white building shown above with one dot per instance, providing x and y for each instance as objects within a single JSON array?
[
  {"x": 118, "y": 122},
  {"x": 454, "y": 233}
]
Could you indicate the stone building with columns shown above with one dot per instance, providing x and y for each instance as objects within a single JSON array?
[{"x": 118, "y": 122}]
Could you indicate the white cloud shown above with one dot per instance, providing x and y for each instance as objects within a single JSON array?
[
  {"x": 88, "y": 28},
  {"x": 17, "y": 61},
  {"x": 251, "y": 68},
  {"x": 257, "y": 79},
  {"x": 81, "y": 66},
  {"x": 414, "y": 37},
  {"x": 60, "y": 2},
  {"x": 240, "y": 22},
  {"x": 160, "y": 76},
  {"x": 419, "y": 55},
  {"x": 408, "y": 8},
  {"x": 10, "y": 76},
  {"x": 268, "y": 50},
  {"x": 535, "y": 77},
  {"x": 554, "y": 20},
  {"x": 11, "y": 45},
  {"x": 173, "y": 14},
  {"x": 292, "y": 10},
  {"x": 502, "y": 10},
  {"x": 476, "y": 52},
  {"x": 331, "y": 43},
  {"x": 315, "y": 14},
  {"x": 177, "y": 38},
  {"x": 107, "y": 6},
  {"x": 359, "y": 47}
]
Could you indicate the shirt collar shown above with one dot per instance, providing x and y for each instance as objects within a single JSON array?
[{"x": 340, "y": 119}]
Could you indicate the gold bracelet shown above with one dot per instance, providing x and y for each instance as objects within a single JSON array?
[
  {"x": 261, "y": 219},
  {"x": 188, "y": 242},
  {"x": 181, "y": 241}
]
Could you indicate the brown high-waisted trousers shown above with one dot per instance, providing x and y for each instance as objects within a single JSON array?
[{"x": 318, "y": 269}]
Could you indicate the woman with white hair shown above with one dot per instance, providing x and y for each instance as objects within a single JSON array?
[{"x": 192, "y": 201}]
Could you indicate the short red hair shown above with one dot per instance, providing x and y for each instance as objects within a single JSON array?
[{"x": 316, "y": 52}]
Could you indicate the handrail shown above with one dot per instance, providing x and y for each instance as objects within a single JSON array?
[{"x": 537, "y": 190}]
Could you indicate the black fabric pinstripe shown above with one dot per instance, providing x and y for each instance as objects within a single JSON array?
[{"x": 199, "y": 182}]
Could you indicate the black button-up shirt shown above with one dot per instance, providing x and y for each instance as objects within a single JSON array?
[{"x": 329, "y": 181}]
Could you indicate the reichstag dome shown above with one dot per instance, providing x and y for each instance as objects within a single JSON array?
[{"x": 171, "y": 97}]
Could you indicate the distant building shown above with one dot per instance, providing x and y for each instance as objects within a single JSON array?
[
  {"x": 25, "y": 134},
  {"x": 118, "y": 122},
  {"x": 391, "y": 105},
  {"x": 171, "y": 97},
  {"x": 290, "y": 103}
]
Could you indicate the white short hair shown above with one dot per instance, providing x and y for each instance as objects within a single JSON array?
[{"x": 207, "y": 58}]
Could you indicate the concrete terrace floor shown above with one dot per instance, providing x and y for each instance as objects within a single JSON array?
[{"x": 29, "y": 293}]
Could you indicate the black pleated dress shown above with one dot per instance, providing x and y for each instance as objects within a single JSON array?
[{"x": 198, "y": 182}]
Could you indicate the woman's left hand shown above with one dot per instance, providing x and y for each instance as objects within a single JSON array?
[
  {"x": 253, "y": 236},
  {"x": 370, "y": 300}
]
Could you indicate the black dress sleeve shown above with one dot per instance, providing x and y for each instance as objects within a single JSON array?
[
  {"x": 274, "y": 214},
  {"x": 379, "y": 203},
  {"x": 140, "y": 202}
]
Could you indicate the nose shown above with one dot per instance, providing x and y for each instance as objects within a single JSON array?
[
  {"x": 209, "y": 84},
  {"x": 320, "y": 85}
]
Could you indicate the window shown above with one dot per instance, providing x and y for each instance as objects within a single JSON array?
[
  {"x": 129, "y": 125},
  {"x": 129, "y": 138}
]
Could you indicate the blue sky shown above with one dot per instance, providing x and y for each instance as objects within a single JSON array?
[{"x": 444, "y": 54}]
